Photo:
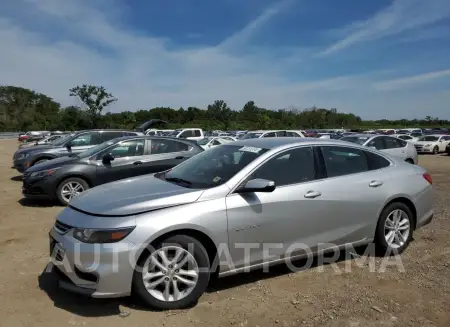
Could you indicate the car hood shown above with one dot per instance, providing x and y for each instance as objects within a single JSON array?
[
  {"x": 54, "y": 163},
  {"x": 133, "y": 196},
  {"x": 34, "y": 148}
]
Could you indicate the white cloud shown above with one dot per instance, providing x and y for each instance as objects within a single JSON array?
[
  {"x": 399, "y": 17},
  {"x": 81, "y": 42},
  {"x": 405, "y": 82}
]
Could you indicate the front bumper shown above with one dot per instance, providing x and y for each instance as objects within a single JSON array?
[
  {"x": 95, "y": 270},
  {"x": 41, "y": 188},
  {"x": 19, "y": 165}
]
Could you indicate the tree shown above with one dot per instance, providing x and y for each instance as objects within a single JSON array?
[{"x": 95, "y": 98}]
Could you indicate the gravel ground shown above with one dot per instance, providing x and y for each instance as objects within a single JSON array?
[{"x": 349, "y": 294}]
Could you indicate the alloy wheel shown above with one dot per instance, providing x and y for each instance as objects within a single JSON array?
[
  {"x": 170, "y": 273},
  {"x": 70, "y": 190},
  {"x": 397, "y": 228}
]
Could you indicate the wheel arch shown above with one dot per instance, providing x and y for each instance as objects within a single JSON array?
[
  {"x": 199, "y": 235},
  {"x": 406, "y": 201}
]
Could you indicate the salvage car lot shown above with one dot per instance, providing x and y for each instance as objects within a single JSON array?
[{"x": 320, "y": 296}]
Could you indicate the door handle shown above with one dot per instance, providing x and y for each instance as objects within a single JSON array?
[
  {"x": 375, "y": 183},
  {"x": 179, "y": 157},
  {"x": 137, "y": 163},
  {"x": 312, "y": 194}
]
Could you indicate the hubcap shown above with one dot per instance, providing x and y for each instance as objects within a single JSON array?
[
  {"x": 170, "y": 273},
  {"x": 396, "y": 228},
  {"x": 71, "y": 189}
]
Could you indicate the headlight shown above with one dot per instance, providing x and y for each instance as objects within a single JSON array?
[
  {"x": 22, "y": 156},
  {"x": 43, "y": 173},
  {"x": 427, "y": 145},
  {"x": 101, "y": 235}
]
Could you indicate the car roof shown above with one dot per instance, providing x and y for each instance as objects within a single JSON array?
[{"x": 275, "y": 142}]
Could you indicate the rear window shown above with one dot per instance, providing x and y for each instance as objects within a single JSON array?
[{"x": 355, "y": 139}]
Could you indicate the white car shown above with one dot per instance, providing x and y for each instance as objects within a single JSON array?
[
  {"x": 432, "y": 143},
  {"x": 407, "y": 137},
  {"x": 389, "y": 144},
  {"x": 273, "y": 133},
  {"x": 211, "y": 142},
  {"x": 188, "y": 133}
]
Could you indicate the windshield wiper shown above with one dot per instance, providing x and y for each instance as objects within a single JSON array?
[{"x": 178, "y": 180}]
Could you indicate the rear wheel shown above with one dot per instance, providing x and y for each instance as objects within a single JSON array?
[
  {"x": 395, "y": 229},
  {"x": 173, "y": 275},
  {"x": 436, "y": 150},
  {"x": 69, "y": 188}
]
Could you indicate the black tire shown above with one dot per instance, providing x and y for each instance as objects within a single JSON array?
[
  {"x": 59, "y": 196},
  {"x": 197, "y": 250},
  {"x": 435, "y": 150},
  {"x": 382, "y": 245}
]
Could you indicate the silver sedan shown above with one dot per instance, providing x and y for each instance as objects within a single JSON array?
[{"x": 236, "y": 207}]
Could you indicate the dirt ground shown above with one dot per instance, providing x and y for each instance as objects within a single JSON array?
[{"x": 331, "y": 296}]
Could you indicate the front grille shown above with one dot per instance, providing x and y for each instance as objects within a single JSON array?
[{"x": 61, "y": 228}]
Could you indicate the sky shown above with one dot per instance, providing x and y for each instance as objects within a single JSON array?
[{"x": 378, "y": 59}]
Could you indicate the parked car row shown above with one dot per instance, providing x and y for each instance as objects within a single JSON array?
[{"x": 158, "y": 212}]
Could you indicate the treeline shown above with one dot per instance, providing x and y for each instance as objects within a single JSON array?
[{"x": 23, "y": 109}]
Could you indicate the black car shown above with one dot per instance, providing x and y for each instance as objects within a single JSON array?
[
  {"x": 74, "y": 143},
  {"x": 120, "y": 158}
]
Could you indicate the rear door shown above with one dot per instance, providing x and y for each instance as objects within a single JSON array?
[
  {"x": 129, "y": 157},
  {"x": 395, "y": 147},
  {"x": 165, "y": 154},
  {"x": 353, "y": 193}
]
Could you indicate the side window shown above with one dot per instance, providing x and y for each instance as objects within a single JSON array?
[
  {"x": 401, "y": 143},
  {"x": 168, "y": 146},
  {"x": 106, "y": 136},
  {"x": 391, "y": 143},
  {"x": 290, "y": 167},
  {"x": 272, "y": 134},
  {"x": 375, "y": 161},
  {"x": 281, "y": 134},
  {"x": 86, "y": 139},
  {"x": 130, "y": 148},
  {"x": 377, "y": 143},
  {"x": 340, "y": 161},
  {"x": 197, "y": 133},
  {"x": 188, "y": 133},
  {"x": 215, "y": 142}
]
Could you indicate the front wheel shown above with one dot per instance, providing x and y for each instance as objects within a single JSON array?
[
  {"x": 435, "y": 150},
  {"x": 173, "y": 275},
  {"x": 395, "y": 229},
  {"x": 69, "y": 188}
]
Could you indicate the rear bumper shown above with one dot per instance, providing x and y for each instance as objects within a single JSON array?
[{"x": 425, "y": 220}]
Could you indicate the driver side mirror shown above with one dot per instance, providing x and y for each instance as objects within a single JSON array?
[
  {"x": 257, "y": 185},
  {"x": 107, "y": 158},
  {"x": 69, "y": 147}
]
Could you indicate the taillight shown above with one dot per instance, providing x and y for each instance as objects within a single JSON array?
[{"x": 428, "y": 178}]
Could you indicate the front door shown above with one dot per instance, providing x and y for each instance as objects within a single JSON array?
[{"x": 129, "y": 161}]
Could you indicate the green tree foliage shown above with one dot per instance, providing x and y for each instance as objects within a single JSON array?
[
  {"x": 95, "y": 98},
  {"x": 23, "y": 109}
]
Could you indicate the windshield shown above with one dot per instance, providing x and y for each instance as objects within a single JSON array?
[
  {"x": 355, "y": 139},
  {"x": 213, "y": 167},
  {"x": 403, "y": 131},
  {"x": 416, "y": 134},
  {"x": 62, "y": 140},
  {"x": 175, "y": 132},
  {"x": 429, "y": 138},
  {"x": 90, "y": 152},
  {"x": 251, "y": 136},
  {"x": 204, "y": 141}
]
